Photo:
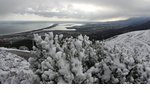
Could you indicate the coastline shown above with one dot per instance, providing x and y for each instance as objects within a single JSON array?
[{"x": 26, "y": 38}]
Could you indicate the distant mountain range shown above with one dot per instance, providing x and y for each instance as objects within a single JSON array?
[
  {"x": 101, "y": 26},
  {"x": 131, "y": 21},
  {"x": 133, "y": 24}
]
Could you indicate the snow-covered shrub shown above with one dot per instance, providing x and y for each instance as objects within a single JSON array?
[
  {"x": 120, "y": 66},
  {"x": 69, "y": 60},
  {"x": 15, "y": 70},
  {"x": 79, "y": 60}
]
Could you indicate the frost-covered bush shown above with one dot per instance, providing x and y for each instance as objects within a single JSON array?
[
  {"x": 79, "y": 60},
  {"x": 59, "y": 60},
  {"x": 120, "y": 66},
  {"x": 15, "y": 70}
]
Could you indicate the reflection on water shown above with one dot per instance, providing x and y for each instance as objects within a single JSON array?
[{"x": 15, "y": 27}]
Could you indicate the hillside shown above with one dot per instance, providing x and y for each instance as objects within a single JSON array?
[
  {"x": 136, "y": 42},
  {"x": 124, "y": 59},
  {"x": 105, "y": 34}
]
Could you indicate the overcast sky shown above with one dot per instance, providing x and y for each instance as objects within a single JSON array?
[{"x": 73, "y": 10}]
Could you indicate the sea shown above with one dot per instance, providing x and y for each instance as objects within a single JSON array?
[{"x": 11, "y": 27}]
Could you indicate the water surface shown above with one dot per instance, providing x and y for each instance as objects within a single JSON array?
[
  {"x": 20, "y": 26},
  {"x": 11, "y": 27}
]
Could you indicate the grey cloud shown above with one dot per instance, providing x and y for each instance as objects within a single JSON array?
[{"x": 122, "y": 8}]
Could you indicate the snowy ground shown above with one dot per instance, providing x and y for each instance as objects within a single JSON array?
[
  {"x": 135, "y": 42},
  {"x": 23, "y": 53},
  {"x": 141, "y": 37},
  {"x": 14, "y": 69}
]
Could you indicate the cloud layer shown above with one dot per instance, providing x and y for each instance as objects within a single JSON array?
[{"x": 73, "y": 9}]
